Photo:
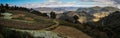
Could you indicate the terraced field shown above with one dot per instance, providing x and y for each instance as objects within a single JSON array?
[
  {"x": 23, "y": 20},
  {"x": 23, "y": 25}
]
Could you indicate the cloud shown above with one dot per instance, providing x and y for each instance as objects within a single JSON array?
[
  {"x": 104, "y": 2},
  {"x": 54, "y": 4},
  {"x": 50, "y": 3},
  {"x": 52, "y": 0},
  {"x": 75, "y": 3},
  {"x": 117, "y": 1}
]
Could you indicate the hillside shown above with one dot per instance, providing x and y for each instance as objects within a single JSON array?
[
  {"x": 25, "y": 20},
  {"x": 106, "y": 27},
  {"x": 83, "y": 16},
  {"x": 111, "y": 23},
  {"x": 21, "y": 24}
]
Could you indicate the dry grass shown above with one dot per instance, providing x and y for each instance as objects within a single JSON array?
[
  {"x": 22, "y": 25},
  {"x": 71, "y": 32},
  {"x": 28, "y": 19}
]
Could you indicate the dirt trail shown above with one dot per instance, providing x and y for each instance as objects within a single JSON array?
[{"x": 53, "y": 26}]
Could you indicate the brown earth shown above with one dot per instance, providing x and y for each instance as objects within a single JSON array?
[{"x": 71, "y": 32}]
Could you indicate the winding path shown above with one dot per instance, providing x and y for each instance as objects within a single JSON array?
[{"x": 53, "y": 26}]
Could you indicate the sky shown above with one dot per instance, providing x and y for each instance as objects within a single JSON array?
[{"x": 59, "y": 3}]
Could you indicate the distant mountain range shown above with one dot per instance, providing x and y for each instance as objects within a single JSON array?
[
  {"x": 56, "y": 9},
  {"x": 97, "y": 9},
  {"x": 90, "y": 10}
]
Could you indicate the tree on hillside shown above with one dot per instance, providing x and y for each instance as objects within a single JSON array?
[
  {"x": 23, "y": 9},
  {"x": 15, "y": 7},
  {"x": 12, "y": 8},
  {"x": 44, "y": 14},
  {"x": 1, "y": 5},
  {"x": 7, "y": 6},
  {"x": 52, "y": 15},
  {"x": 76, "y": 18},
  {"x": 36, "y": 12}
]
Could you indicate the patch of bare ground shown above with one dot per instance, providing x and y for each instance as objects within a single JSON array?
[{"x": 70, "y": 32}]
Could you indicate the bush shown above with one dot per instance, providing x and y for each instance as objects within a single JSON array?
[{"x": 53, "y": 15}]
